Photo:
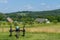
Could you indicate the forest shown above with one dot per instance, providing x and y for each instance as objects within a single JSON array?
[{"x": 52, "y": 15}]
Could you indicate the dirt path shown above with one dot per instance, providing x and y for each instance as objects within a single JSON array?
[{"x": 38, "y": 29}]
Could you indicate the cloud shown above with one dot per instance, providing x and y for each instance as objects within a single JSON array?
[
  {"x": 3, "y": 1},
  {"x": 58, "y": 6},
  {"x": 47, "y": 6},
  {"x": 42, "y": 4},
  {"x": 5, "y": 8},
  {"x": 28, "y": 7}
]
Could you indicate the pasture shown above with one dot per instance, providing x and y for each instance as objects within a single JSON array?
[
  {"x": 33, "y": 32},
  {"x": 32, "y": 36}
]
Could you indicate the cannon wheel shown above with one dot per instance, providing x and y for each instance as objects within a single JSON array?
[
  {"x": 10, "y": 31},
  {"x": 17, "y": 35},
  {"x": 23, "y": 30}
]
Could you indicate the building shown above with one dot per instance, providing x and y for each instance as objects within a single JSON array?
[{"x": 42, "y": 20}]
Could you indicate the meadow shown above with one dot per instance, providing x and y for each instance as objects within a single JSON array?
[
  {"x": 33, "y": 32},
  {"x": 32, "y": 36}
]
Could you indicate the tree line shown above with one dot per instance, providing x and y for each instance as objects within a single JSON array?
[{"x": 52, "y": 15}]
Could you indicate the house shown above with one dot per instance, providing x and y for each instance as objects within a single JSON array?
[{"x": 42, "y": 20}]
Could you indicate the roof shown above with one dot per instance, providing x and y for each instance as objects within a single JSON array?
[{"x": 41, "y": 19}]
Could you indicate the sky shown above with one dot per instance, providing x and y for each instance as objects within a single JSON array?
[{"x": 7, "y": 6}]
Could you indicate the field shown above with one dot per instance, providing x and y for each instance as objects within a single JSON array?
[
  {"x": 32, "y": 36},
  {"x": 34, "y": 32}
]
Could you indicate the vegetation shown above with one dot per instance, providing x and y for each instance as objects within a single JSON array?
[
  {"x": 28, "y": 18},
  {"x": 32, "y": 15},
  {"x": 32, "y": 36}
]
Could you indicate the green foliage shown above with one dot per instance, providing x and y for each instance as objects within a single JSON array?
[
  {"x": 55, "y": 21},
  {"x": 32, "y": 36},
  {"x": 28, "y": 15}
]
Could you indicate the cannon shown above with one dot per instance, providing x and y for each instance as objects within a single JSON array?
[
  {"x": 10, "y": 20},
  {"x": 17, "y": 30}
]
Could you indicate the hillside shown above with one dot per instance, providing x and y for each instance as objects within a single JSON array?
[
  {"x": 37, "y": 13},
  {"x": 51, "y": 15}
]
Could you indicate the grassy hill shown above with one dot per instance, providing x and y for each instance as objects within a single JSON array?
[{"x": 51, "y": 15}]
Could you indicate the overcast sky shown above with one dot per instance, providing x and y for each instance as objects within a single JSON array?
[{"x": 28, "y": 5}]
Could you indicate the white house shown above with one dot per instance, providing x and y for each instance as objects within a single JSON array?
[{"x": 42, "y": 20}]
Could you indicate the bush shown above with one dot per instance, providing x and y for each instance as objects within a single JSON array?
[{"x": 55, "y": 21}]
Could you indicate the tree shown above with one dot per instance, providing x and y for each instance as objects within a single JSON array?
[{"x": 55, "y": 21}]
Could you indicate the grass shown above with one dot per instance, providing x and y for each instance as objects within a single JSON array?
[
  {"x": 32, "y": 36},
  {"x": 28, "y": 25}
]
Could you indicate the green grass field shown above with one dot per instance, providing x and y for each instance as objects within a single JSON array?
[
  {"x": 6, "y": 25},
  {"x": 32, "y": 36}
]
